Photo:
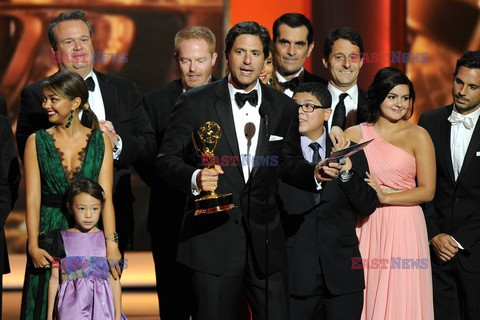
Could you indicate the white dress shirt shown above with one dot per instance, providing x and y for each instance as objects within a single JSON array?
[
  {"x": 241, "y": 117},
  {"x": 281, "y": 79},
  {"x": 95, "y": 101},
  {"x": 459, "y": 140},
  {"x": 351, "y": 102},
  {"x": 95, "y": 98}
]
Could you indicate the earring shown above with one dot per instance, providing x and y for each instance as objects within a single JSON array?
[
  {"x": 270, "y": 81},
  {"x": 70, "y": 119}
]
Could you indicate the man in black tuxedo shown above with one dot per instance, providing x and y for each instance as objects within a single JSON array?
[
  {"x": 453, "y": 217},
  {"x": 326, "y": 280},
  {"x": 115, "y": 101},
  {"x": 343, "y": 57},
  {"x": 227, "y": 251},
  {"x": 293, "y": 43},
  {"x": 195, "y": 56},
  {"x": 9, "y": 180}
]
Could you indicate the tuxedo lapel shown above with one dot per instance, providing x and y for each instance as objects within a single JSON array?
[
  {"x": 445, "y": 132},
  {"x": 176, "y": 91},
  {"x": 109, "y": 97},
  {"x": 223, "y": 108},
  {"x": 471, "y": 151}
]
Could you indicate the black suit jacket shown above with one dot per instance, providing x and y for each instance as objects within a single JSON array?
[
  {"x": 3, "y": 107},
  {"x": 9, "y": 180},
  {"x": 159, "y": 104},
  {"x": 207, "y": 241},
  {"x": 455, "y": 209},
  {"x": 321, "y": 239},
  {"x": 362, "y": 107},
  {"x": 310, "y": 77},
  {"x": 359, "y": 115},
  {"x": 123, "y": 107}
]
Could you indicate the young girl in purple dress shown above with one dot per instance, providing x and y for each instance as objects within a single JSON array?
[{"x": 81, "y": 286}]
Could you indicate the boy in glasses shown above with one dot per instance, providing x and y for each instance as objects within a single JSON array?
[{"x": 325, "y": 266}]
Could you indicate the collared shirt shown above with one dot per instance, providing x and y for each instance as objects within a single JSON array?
[
  {"x": 281, "y": 79},
  {"x": 95, "y": 100},
  {"x": 241, "y": 117},
  {"x": 459, "y": 140},
  {"x": 351, "y": 102},
  {"x": 308, "y": 152}
]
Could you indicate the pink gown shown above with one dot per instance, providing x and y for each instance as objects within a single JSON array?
[{"x": 394, "y": 241}]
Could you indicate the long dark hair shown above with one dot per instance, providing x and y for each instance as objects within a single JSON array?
[
  {"x": 70, "y": 85},
  {"x": 385, "y": 80}
]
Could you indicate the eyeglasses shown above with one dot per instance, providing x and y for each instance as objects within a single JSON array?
[{"x": 308, "y": 107}]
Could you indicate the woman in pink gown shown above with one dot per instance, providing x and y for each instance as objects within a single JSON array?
[{"x": 393, "y": 240}]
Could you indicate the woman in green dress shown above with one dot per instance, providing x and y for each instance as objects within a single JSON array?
[{"x": 54, "y": 158}]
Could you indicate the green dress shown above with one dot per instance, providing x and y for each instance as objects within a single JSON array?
[{"x": 54, "y": 183}]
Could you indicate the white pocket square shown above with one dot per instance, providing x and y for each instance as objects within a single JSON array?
[
  {"x": 275, "y": 138},
  {"x": 478, "y": 153}
]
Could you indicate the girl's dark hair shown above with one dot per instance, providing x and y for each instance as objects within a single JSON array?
[
  {"x": 385, "y": 80},
  {"x": 87, "y": 186},
  {"x": 71, "y": 85}
]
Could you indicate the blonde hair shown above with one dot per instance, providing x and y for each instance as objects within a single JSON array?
[{"x": 196, "y": 32}]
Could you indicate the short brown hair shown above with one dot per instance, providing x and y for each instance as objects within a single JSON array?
[
  {"x": 196, "y": 32},
  {"x": 71, "y": 15}
]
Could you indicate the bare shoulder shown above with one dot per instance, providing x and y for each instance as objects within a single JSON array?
[
  {"x": 417, "y": 136},
  {"x": 31, "y": 139},
  {"x": 354, "y": 133}
]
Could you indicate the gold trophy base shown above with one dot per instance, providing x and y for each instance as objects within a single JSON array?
[{"x": 212, "y": 203}]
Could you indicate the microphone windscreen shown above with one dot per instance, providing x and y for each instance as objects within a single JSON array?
[{"x": 249, "y": 130}]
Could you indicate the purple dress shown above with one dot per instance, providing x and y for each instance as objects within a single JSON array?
[{"x": 85, "y": 291}]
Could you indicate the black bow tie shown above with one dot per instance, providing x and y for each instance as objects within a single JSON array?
[
  {"x": 251, "y": 97},
  {"x": 292, "y": 84},
  {"x": 90, "y": 84}
]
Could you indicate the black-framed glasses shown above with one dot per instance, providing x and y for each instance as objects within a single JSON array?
[{"x": 309, "y": 107}]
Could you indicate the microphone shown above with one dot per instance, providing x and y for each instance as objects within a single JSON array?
[
  {"x": 264, "y": 114},
  {"x": 249, "y": 134}
]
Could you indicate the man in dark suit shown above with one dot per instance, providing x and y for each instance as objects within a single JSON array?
[
  {"x": 325, "y": 276},
  {"x": 293, "y": 43},
  {"x": 453, "y": 217},
  {"x": 343, "y": 57},
  {"x": 9, "y": 180},
  {"x": 232, "y": 251},
  {"x": 195, "y": 56},
  {"x": 115, "y": 101}
]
